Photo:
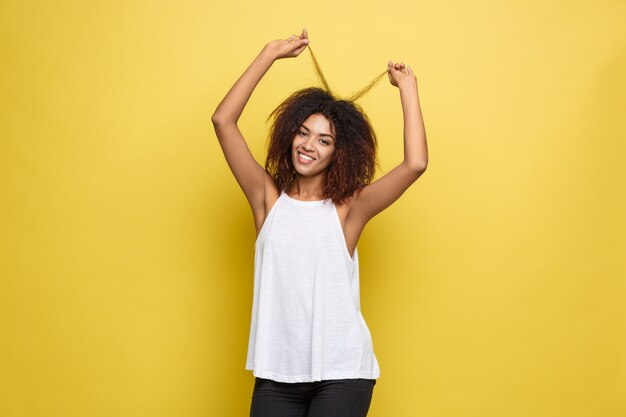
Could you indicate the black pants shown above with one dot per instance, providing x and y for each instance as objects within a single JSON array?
[{"x": 328, "y": 398}]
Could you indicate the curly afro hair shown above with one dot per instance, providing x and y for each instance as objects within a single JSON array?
[{"x": 355, "y": 159}]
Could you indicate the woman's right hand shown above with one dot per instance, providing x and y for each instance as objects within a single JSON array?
[{"x": 288, "y": 48}]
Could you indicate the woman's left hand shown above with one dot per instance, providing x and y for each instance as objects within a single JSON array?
[{"x": 399, "y": 73}]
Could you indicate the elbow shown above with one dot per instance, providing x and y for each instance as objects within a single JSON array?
[
  {"x": 219, "y": 120},
  {"x": 216, "y": 119},
  {"x": 418, "y": 167}
]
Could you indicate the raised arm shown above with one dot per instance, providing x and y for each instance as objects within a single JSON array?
[
  {"x": 250, "y": 175},
  {"x": 380, "y": 194}
]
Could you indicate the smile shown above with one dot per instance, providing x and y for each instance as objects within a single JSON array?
[{"x": 304, "y": 158}]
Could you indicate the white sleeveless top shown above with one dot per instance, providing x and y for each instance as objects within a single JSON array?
[{"x": 306, "y": 320}]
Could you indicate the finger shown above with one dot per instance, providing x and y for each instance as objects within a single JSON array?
[
  {"x": 298, "y": 51},
  {"x": 410, "y": 70},
  {"x": 291, "y": 38},
  {"x": 301, "y": 46}
]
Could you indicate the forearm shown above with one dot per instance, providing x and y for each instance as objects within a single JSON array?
[
  {"x": 415, "y": 148},
  {"x": 231, "y": 106}
]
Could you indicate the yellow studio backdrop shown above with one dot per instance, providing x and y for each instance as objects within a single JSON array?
[{"x": 495, "y": 286}]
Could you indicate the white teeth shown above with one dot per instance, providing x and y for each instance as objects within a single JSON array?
[{"x": 308, "y": 158}]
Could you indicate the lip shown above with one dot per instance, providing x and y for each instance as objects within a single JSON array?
[{"x": 303, "y": 161}]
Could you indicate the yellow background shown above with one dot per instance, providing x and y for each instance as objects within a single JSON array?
[{"x": 495, "y": 286}]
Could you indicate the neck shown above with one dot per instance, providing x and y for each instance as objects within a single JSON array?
[{"x": 307, "y": 188}]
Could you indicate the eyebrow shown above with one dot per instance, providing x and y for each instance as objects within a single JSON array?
[{"x": 321, "y": 134}]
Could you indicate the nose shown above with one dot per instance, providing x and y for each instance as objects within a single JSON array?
[{"x": 308, "y": 145}]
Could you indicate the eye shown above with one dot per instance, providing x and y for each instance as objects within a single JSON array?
[
  {"x": 302, "y": 132},
  {"x": 324, "y": 141}
]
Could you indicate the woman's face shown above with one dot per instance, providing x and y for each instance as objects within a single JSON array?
[{"x": 316, "y": 139}]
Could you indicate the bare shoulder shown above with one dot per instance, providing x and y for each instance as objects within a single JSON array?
[
  {"x": 345, "y": 210},
  {"x": 271, "y": 195},
  {"x": 351, "y": 225}
]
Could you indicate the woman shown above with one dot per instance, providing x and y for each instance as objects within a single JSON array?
[{"x": 309, "y": 348}]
